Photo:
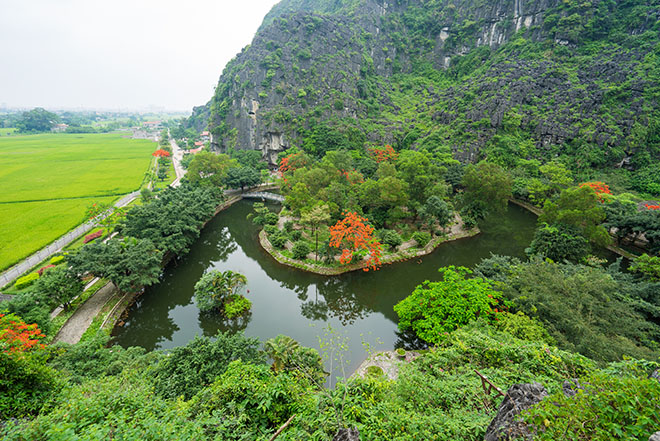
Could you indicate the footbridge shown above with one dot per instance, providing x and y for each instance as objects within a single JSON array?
[{"x": 264, "y": 195}]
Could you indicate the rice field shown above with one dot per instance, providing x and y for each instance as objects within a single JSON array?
[{"x": 48, "y": 181}]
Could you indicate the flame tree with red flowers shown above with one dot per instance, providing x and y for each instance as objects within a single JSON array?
[
  {"x": 160, "y": 153},
  {"x": 18, "y": 336},
  {"x": 386, "y": 153},
  {"x": 291, "y": 163},
  {"x": 352, "y": 234},
  {"x": 600, "y": 188}
]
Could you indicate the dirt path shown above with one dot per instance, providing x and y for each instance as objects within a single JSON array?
[{"x": 76, "y": 326}]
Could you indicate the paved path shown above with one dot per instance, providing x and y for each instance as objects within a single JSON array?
[
  {"x": 76, "y": 326},
  {"x": 25, "y": 265},
  {"x": 177, "y": 156}
]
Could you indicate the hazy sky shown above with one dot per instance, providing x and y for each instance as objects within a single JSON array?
[{"x": 127, "y": 54}]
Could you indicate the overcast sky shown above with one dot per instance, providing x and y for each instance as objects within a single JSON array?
[{"x": 120, "y": 54}]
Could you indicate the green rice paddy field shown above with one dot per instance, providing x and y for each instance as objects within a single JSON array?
[{"x": 48, "y": 181}]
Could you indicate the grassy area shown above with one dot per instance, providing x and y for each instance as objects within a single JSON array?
[
  {"x": 7, "y": 131},
  {"x": 49, "y": 180}
]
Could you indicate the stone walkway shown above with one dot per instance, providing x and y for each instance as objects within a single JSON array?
[{"x": 76, "y": 326}]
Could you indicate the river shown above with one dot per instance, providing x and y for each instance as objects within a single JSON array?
[{"x": 357, "y": 306}]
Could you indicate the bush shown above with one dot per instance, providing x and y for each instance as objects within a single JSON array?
[
  {"x": 300, "y": 250},
  {"x": 248, "y": 401},
  {"x": 391, "y": 238},
  {"x": 187, "y": 369},
  {"x": 271, "y": 229},
  {"x": 91, "y": 237},
  {"x": 56, "y": 260},
  {"x": 271, "y": 218},
  {"x": 437, "y": 308},
  {"x": 25, "y": 281},
  {"x": 296, "y": 235},
  {"x": 609, "y": 407},
  {"x": 422, "y": 238},
  {"x": 523, "y": 327},
  {"x": 33, "y": 307},
  {"x": 236, "y": 306},
  {"x": 278, "y": 240},
  {"x": 288, "y": 226}
]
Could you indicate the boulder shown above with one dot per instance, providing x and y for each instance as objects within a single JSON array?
[
  {"x": 655, "y": 374},
  {"x": 655, "y": 436},
  {"x": 347, "y": 434},
  {"x": 506, "y": 425}
]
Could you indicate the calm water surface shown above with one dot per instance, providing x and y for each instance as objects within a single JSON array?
[{"x": 357, "y": 305}]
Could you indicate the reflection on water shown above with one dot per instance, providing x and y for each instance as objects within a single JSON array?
[{"x": 287, "y": 301}]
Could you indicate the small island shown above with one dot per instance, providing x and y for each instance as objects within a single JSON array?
[{"x": 347, "y": 212}]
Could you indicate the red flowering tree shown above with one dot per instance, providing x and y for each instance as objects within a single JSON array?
[
  {"x": 386, "y": 153},
  {"x": 600, "y": 188},
  {"x": 291, "y": 163},
  {"x": 652, "y": 207},
  {"x": 352, "y": 234},
  {"x": 160, "y": 153},
  {"x": 18, "y": 336}
]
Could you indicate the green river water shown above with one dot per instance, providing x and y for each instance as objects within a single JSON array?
[{"x": 357, "y": 306}]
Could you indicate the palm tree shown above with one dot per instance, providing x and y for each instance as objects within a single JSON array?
[{"x": 216, "y": 287}]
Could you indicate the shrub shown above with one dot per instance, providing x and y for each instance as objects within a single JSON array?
[
  {"x": 91, "y": 237},
  {"x": 271, "y": 229},
  {"x": 236, "y": 306},
  {"x": 300, "y": 250},
  {"x": 296, "y": 235},
  {"x": 375, "y": 371},
  {"x": 278, "y": 240},
  {"x": 187, "y": 369},
  {"x": 41, "y": 270},
  {"x": 436, "y": 308},
  {"x": 609, "y": 407},
  {"x": 523, "y": 327},
  {"x": 271, "y": 218},
  {"x": 33, "y": 307},
  {"x": 25, "y": 281},
  {"x": 391, "y": 238},
  {"x": 56, "y": 260},
  {"x": 288, "y": 226},
  {"x": 422, "y": 238}
]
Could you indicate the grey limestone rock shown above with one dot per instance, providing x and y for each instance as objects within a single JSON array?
[
  {"x": 347, "y": 434},
  {"x": 655, "y": 436},
  {"x": 505, "y": 425}
]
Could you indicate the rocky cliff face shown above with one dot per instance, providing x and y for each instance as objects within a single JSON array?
[{"x": 453, "y": 74}]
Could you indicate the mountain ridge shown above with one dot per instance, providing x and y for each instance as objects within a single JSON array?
[{"x": 551, "y": 78}]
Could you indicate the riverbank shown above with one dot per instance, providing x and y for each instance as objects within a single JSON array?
[{"x": 405, "y": 253}]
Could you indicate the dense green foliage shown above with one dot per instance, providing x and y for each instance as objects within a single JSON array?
[
  {"x": 436, "y": 308},
  {"x": 129, "y": 263},
  {"x": 173, "y": 221},
  {"x": 601, "y": 313},
  {"x": 188, "y": 369}
]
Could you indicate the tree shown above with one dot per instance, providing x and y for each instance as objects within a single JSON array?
[
  {"x": 298, "y": 198},
  {"x": 60, "y": 284},
  {"x": 487, "y": 185},
  {"x": 242, "y": 177},
  {"x": 437, "y": 210},
  {"x": 559, "y": 242},
  {"x": 647, "y": 265},
  {"x": 318, "y": 215},
  {"x": 36, "y": 120},
  {"x": 216, "y": 287},
  {"x": 207, "y": 168},
  {"x": 187, "y": 369},
  {"x": 129, "y": 263},
  {"x": 578, "y": 207},
  {"x": 434, "y": 309},
  {"x": 352, "y": 233},
  {"x": 289, "y": 356}
]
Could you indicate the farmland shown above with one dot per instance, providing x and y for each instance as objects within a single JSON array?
[{"x": 49, "y": 180}]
